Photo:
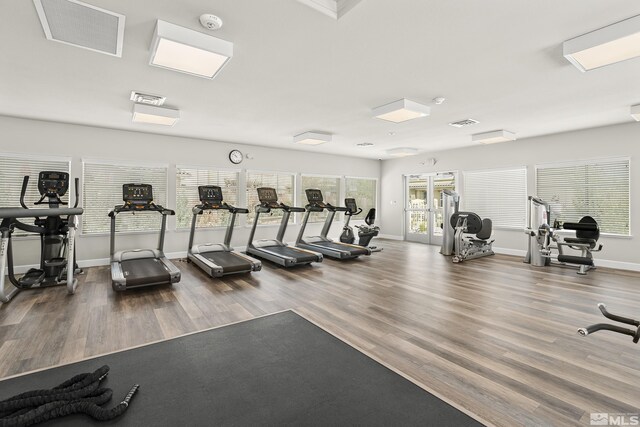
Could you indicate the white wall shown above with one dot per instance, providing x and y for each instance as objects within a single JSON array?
[
  {"x": 57, "y": 139},
  {"x": 611, "y": 141}
]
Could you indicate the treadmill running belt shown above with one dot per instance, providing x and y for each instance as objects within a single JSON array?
[
  {"x": 291, "y": 252},
  {"x": 338, "y": 246},
  {"x": 229, "y": 261},
  {"x": 144, "y": 271}
]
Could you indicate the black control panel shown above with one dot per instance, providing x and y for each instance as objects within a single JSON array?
[
  {"x": 53, "y": 184},
  {"x": 351, "y": 205},
  {"x": 137, "y": 194},
  {"x": 314, "y": 196},
  {"x": 210, "y": 194},
  {"x": 267, "y": 195}
]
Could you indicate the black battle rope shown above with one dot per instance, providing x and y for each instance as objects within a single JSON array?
[{"x": 79, "y": 395}]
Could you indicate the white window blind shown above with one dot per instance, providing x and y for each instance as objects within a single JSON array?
[
  {"x": 364, "y": 191},
  {"x": 598, "y": 188},
  {"x": 187, "y": 182},
  {"x": 283, "y": 183},
  {"x": 102, "y": 190},
  {"x": 330, "y": 187},
  {"x": 500, "y": 195},
  {"x": 12, "y": 172}
]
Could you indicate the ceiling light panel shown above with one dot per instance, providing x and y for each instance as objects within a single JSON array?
[
  {"x": 493, "y": 137},
  {"x": 402, "y": 152},
  {"x": 635, "y": 112},
  {"x": 401, "y": 111},
  {"x": 312, "y": 138},
  {"x": 187, "y": 51},
  {"x": 150, "y": 114},
  {"x": 606, "y": 46}
]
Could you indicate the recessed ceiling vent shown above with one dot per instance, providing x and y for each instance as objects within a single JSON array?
[
  {"x": 463, "y": 123},
  {"x": 83, "y": 25}
]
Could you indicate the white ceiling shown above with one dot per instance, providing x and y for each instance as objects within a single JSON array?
[{"x": 295, "y": 70}]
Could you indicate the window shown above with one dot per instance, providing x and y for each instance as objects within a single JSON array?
[
  {"x": 12, "y": 171},
  {"x": 500, "y": 195},
  {"x": 330, "y": 187},
  {"x": 187, "y": 182},
  {"x": 364, "y": 191},
  {"x": 284, "y": 185},
  {"x": 102, "y": 190},
  {"x": 598, "y": 188}
]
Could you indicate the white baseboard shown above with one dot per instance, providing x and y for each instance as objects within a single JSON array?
[
  {"x": 620, "y": 265},
  {"x": 508, "y": 251},
  {"x": 390, "y": 237}
]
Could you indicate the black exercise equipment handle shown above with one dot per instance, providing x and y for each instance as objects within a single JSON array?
[
  {"x": 607, "y": 327},
  {"x": 615, "y": 317},
  {"x": 77, "y": 185},
  {"x": 23, "y": 192}
]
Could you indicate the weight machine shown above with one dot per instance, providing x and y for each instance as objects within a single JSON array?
[{"x": 543, "y": 238}]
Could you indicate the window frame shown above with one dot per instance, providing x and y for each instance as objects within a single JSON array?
[
  {"x": 44, "y": 158},
  {"x": 239, "y": 173},
  {"x": 120, "y": 163},
  {"x": 584, "y": 162},
  {"x": 341, "y": 191},
  {"x": 294, "y": 175},
  {"x": 377, "y": 186},
  {"x": 501, "y": 169}
]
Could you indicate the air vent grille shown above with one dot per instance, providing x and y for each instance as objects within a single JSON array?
[
  {"x": 463, "y": 123},
  {"x": 83, "y": 25}
]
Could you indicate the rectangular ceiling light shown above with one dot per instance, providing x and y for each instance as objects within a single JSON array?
[
  {"x": 635, "y": 112},
  {"x": 402, "y": 152},
  {"x": 493, "y": 137},
  {"x": 312, "y": 138},
  {"x": 188, "y": 51},
  {"x": 401, "y": 111},
  {"x": 143, "y": 113},
  {"x": 614, "y": 43}
]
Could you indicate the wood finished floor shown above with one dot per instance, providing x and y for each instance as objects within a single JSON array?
[{"x": 493, "y": 335}]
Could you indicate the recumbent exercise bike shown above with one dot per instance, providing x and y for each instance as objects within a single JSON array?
[{"x": 365, "y": 232}]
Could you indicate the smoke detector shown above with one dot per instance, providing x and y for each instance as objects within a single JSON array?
[
  {"x": 210, "y": 22},
  {"x": 463, "y": 123},
  {"x": 439, "y": 100}
]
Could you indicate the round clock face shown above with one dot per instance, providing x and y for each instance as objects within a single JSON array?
[{"x": 235, "y": 156}]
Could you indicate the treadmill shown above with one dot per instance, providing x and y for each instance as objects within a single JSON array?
[
  {"x": 276, "y": 250},
  {"x": 218, "y": 259},
  {"x": 135, "y": 268},
  {"x": 322, "y": 243}
]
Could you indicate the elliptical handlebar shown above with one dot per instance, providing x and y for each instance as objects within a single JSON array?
[
  {"x": 23, "y": 192},
  {"x": 77, "y": 191}
]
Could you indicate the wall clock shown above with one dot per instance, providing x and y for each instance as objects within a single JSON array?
[{"x": 235, "y": 156}]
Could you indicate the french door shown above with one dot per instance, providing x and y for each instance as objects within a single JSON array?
[{"x": 423, "y": 206}]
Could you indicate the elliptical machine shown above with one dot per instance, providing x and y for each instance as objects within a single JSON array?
[
  {"x": 56, "y": 226},
  {"x": 365, "y": 232}
]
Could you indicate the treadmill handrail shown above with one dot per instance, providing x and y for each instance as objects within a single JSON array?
[{"x": 151, "y": 207}]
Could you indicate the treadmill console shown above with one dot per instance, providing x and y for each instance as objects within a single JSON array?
[
  {"x": 314, "y": 197},
  {"x": 351, "y": 205},
  {"x": 268, "y": 197},
  {"x": 137, "y": 194},
  {"x": 210, "y": 194},
  {"x": 53, "y": 184}
]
